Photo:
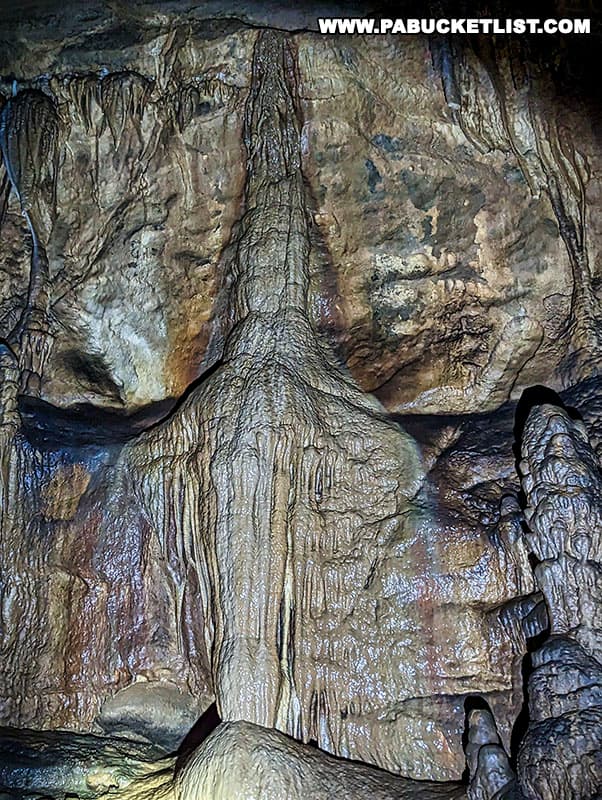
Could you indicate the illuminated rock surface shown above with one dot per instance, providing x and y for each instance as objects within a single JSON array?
[
  {"x": 560, "y": 753},
  {"x": 268, "y": 301}
]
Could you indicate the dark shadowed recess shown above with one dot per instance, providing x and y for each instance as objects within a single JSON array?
[
  {"x": 572, "y": 60},
  {"x": 202, "y": 728},
  {"x": 47, "y": 426},
  {"x": 472, "y": 703},
  {"x": 500, "y": 430},
  {"x": 530, "y": 398},
  {"x": 538, "y": 396},
  {"x": 521, "y": 724}
]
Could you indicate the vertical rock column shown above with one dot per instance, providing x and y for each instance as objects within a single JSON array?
[
  {"x": 283, "y": 453},
  {"x": 561, "y": 753},
  {"x": 291, "y": 479},
  {"x": 29, "y": 130},
  {"x": 253, "y": 469}
]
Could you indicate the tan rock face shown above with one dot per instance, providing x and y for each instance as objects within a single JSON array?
[
  {"x": 140, "y": 157},
  {"x": 228, "y": 255},
  {"x": 437, "y": 303}
]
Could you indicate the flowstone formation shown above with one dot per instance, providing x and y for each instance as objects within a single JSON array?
[
  {"x": 262, "y": 531},
  {"x": 561, "y": 752}
]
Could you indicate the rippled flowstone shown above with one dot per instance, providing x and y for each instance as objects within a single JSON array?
[
  {"x": 238, "y": 760},
  {"x": 267, "y": 303},
  {"x": 241, "y": 761},
  {"x": 288, "y": 554}
]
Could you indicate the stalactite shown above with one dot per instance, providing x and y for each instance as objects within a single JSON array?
[
  {"x": 29, "y": 134},
  {"x": 201, "y": 98},
  {"x": 84, "y": 91},
  {"x": 29, "y": 139},
  {"x": 4, "y": 178},
  {"x": 295, "y": 470},
  {"x": 122, "y": 97},
  {"x": 499, "y": 108}
]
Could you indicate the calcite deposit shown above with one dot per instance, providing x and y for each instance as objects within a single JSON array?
[
  {"x": 299, "y": 410},
  {"x": 560, "y": 754}
]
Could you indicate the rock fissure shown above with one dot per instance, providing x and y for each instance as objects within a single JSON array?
[{"x": 268, "y": 301}]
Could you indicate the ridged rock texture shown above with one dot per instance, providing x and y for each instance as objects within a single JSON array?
[
  {"x": 276, "y": 313},
  {"x": 560, "y": 754}
]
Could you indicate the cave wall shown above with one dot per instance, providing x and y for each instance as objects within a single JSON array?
[{"x": 268, "y": 300}]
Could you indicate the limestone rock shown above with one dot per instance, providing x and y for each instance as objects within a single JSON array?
[
  {"x": 237, "y": 760},
  {"x": 491, "y": 776},
  {"x": 230, "y": 261},
  {"x": 159, "y": 712},
  {"x": 561, "y": 480},
  {"x": 36, "y": 764},
  {"x": 561, "y": 754},
  {"x": 242, "y": 761},
  {"x": 436, "y": 306}
]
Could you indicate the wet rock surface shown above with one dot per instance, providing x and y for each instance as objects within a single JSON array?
[
  {"x": 560, "y": 754},
  {"x": 240, "y": 760},
  {"x": 268, "y": 302},
  {"x": 562, "y": 749},
  {"x": 56, "y": 764}
]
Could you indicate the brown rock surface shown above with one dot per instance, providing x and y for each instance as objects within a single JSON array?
[
  {"x": 561, "y": 753},
  {"x": 439, "y": 305},
  {"x": 238, "y": 760},
  {"x": 266, "y": 304}
]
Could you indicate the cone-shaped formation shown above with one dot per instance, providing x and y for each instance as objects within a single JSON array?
[
  {"x": 272, "y": 545},
  {"x": 294, "y": 470},
  {"x": 561, "y": 480},
  {"x": 561, "y": 754},
  {"x": 491, "y": 777}
]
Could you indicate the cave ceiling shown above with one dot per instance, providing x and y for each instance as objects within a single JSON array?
[{"x": 300, "y": 407}]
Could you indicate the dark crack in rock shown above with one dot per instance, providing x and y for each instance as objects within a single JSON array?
[
  {"x": 268, "y": 301},
  {"x": 60, "y": 764}
]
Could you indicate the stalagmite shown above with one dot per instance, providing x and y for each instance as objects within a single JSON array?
[
  {"x": 273, "y": 307},
  {"x": 240, "y": 761},
  {"x": 491, "y": 776},
  {"x": 561, "y": 754}
]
